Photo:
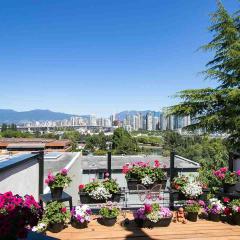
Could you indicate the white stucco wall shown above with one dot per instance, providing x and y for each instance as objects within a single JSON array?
[{"x": 22, "y": 179}]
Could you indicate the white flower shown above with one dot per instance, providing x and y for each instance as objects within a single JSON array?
[
  {"x": 100, "y": 193},
  {"x": 39, "y": 228},
  {"x": 146, "y": 180},
  {"x": 192, "y": 189}
]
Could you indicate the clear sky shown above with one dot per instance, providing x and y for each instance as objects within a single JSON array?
[{"x": 101, "y": 56}]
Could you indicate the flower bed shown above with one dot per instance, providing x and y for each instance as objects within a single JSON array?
[
  {"x": 234, "y": 206},
  {"x": 145, "y": 174},
  {"x": 152, "y": 215},
  {"x": 57, "y": 183},
  {"x": 80, "y": 216},
  {"x": 17, "y": 214},
  {"x": 100, "y": 191}
]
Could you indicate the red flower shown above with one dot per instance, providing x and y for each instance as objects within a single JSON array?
[
  {"x": 226, "y": 199},
  {"x": 8, "y": 194},
  {"x": 148, "y": 208},
  {"x": 81, "y": 186},
  {"x": 227, "y": 211},
  {"x": 64, "y": 210},
  {"x": 156, "y": 163}
]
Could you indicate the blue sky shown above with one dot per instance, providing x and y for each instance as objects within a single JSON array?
[{"x": 101, "y": 56}]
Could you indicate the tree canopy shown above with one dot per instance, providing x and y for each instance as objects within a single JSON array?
[{"x": 218, "y": 109}]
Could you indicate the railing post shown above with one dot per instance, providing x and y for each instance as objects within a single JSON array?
[
  {"x": 109, "y": 165},
  {"x": 41, "y": 171},
  {"x": 172, "y": 172},
  {"x": 230, "y": 161}
]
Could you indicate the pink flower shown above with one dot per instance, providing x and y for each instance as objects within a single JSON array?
[
  {"x": 81, "y": 186},
  {"x": 156, "y": 163},
  {"x": 238, "y": 172},
  {"x": 148, "y": 208},
  {"x": 223, "y": 169},
  {"x": 125, "y": 169},
  {"x": 64, "y": 210},
  {"x": 226, "y": 200},
  {"x": 106, "y": 174},
  {"x": 8, "y": 194},
  {"x": 64, "y": 171}
]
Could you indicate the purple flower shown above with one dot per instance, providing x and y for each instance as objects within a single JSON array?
[{"x": 64, "y": 171}]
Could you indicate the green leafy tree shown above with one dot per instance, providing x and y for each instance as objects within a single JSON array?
[
  {"x": 217, "y": 109},
  {"x": 123, "y": 142}
]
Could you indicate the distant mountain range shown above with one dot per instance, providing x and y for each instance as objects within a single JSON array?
[{"x": 11, "y": 116}]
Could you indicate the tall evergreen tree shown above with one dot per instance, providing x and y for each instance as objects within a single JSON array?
[{"x": 218, "y": 109}]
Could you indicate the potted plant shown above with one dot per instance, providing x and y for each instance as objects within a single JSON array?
[
  {"x": 57, "y": 183},
  {"x": 100, "y": 191},
  {"x": 214, "y": 208},
  {"x": 40, "y": 228},
  {"x": 177, "y": 185},
  {"x": 144, "y": 173},
  {"x": 192, "y": 189},
  {"x": 227, "y": 178},
  {"x": 192, "y": 208},
  {"x": 16, "y": 214},
  {"x": 56, "y": 216},
  {"x": 109, "y": 213},
  {"x": 153, "y": 215},
  {"x": 235, "y": 209},
  {"x": 80, "y": 216}
]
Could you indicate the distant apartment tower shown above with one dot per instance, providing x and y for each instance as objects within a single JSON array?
[
  {"x": 149, "y": 121},
  {"x": 155, "y": 125},
  {"x": 92, "y": 120}
]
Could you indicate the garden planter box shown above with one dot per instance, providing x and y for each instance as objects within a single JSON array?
[
  {"x": 86, "y": 199},
  {"x": 236, "y": 218},
  {"x": 78, "y": 225},
  {"x": 164, "y": 222},
  {"x": 229, "y": 188},
  {"x": 214, "y": 217},
  {"x": 107, "y": 221},
  {"x": 55, "y": 228},
  {"x": 56, "y": 193},
  {"x": 132, "y": 184},
  {"x": 192, "y": 216}
]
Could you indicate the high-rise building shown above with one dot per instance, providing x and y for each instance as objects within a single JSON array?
[{"x": 149, "y": 121}]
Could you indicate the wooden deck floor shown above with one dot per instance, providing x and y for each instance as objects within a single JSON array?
[{"x": 191, "y": 231}]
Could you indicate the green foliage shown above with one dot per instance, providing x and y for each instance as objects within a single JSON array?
[
  {"x": 153, "y": 141},
  {"x": 109, "y": 210},
  {"x": 97, "y": 142},
  {"x": 100, "y": 152},
  {"x": 179, "y": 182},
  {"x": 217, "y": 109},
  {"x": 60, "y": 181},
  {"x": 194, "y": 207},
  {"x": 55, "y": 212},
  {"x": 110, "y": 184},
  {"x": 124, "y": 143},
  {"x": 139, "y": 172},
  {"x": 73, "y": 136}
]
